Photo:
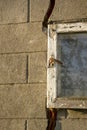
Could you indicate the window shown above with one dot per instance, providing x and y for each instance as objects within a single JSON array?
[{"x": 67, "y": 66}]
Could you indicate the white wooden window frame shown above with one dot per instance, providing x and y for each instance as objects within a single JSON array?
[{"x": 53, "y": 71}]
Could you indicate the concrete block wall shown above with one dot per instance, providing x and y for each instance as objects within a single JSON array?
[{"x": 23, "y": 51}]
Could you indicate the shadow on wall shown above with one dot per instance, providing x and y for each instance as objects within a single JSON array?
[
  {"x": 64, "y": 117},
  {"x": 77, "y": 114},
  {"x": 58, "y": 125}
]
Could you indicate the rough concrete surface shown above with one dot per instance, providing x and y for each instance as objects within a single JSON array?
[
  {"x": 37, "y": 124},
  {"x": 22, "y": 38},
  {"x": 22, "y": 101},
  {"x": 63, "y": 10},
  {"x": 37, "y": 67},
  {"x": 12, "y": 124},
  {"x": 13, "y": 69},
  {"x": 72, "y": 124},
  {"x": 13, "y": 11}
]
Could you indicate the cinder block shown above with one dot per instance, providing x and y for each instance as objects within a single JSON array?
[
  {"x": 13, "y": 11},
  {"x": 22, "y": 101},
  {"x": 70, "y": 9},
  {"x": 37, "y": 124},
  {"x": 63, "y": 10},
  {"x": 38, "y": 9},
  {"x": 72, "y": 124},
  {"x": 12, "y": 124},
  {"x": 37, "y": 67},
  {"x": 22, "y": 38},
  {"x": 13, "y": 69}
]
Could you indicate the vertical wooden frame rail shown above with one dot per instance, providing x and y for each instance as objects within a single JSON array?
[{"x": 54, "y": 64}]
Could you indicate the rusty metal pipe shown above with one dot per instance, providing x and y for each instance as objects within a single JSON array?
[
  {"x": 47, "y": 15},
  {"x": 52, "y": 117}
]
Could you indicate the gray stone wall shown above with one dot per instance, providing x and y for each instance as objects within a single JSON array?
[{"x": 23, "y": 50}]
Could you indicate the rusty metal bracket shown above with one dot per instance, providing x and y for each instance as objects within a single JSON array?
[
  {"x": 52, "y": 117},
  {"x": 53, "y": 60}
]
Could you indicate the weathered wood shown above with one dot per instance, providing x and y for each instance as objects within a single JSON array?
[
  {"x": 71, "y": 27},
  {"x": 51, "y": 69},
  {"x": 69, "y": 103}
]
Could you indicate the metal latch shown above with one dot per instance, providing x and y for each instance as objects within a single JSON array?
[{"x": 52, "y": 61}]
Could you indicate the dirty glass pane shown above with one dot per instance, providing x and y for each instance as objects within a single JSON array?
[{"x": 73, "y": 49}]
